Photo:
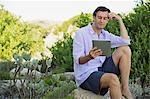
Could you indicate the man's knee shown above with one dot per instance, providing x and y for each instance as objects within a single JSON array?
[
  {"x": 126, "y": 50},
  {"x": 113, "y": 80},
  {"x": 121, "y": 51},
  {"x": 109, "y": 80}
]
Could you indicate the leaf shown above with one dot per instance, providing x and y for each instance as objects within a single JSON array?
[
  {"x": 39, "y": 67},
  {"x": 34, "y": 62},
  {"x": 26, "y": 56},
  {"x": 48, "y": 62}
]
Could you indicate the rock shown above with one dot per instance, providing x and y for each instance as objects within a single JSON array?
[
  {"x": 84, "y": 94},
  {"x": 69, "y": 75},
  {"x": 24, "y": 71}
]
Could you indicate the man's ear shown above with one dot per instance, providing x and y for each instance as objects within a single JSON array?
[{"x": 94, "y": 17}]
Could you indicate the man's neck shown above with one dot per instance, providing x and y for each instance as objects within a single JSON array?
[{"x": 98, "y": 31}]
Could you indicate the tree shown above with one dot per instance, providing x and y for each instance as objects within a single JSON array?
[{"x": 17, "y": 36}]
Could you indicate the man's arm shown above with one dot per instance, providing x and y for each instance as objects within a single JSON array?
[
  {"x": 84, "y": 59},
  {"x": 123, "y": 30},
  {"x": 92, "y": 54}
]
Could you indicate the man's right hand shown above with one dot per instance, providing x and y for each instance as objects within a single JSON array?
[{"x": 94, "y": 52}]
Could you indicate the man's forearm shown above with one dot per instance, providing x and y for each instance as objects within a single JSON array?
[
  {"x": 123, "y": 30},
  {"x": 84, "y": 59}
]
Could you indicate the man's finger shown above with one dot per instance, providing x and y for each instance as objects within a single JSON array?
[
  {"x": 98, "y": 50},
  {"x": 93, "y": 49}
]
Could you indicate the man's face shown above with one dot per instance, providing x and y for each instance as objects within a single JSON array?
[{"x": 101, "y": 19}]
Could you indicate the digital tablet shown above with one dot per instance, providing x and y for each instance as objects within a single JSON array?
[{"x": 104, "y": 45}]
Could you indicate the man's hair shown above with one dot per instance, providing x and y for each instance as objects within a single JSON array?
[{"x": 100, "y": 8}]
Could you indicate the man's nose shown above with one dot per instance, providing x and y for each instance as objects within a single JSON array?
[{"x": 102, "y": 20}]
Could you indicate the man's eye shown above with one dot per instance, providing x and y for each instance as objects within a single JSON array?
[
  {"x": 99, "y": 17},
  {"x": 105, "y": 18}
]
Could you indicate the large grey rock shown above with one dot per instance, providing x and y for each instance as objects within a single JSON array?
[{"x": 84, "y": 94}]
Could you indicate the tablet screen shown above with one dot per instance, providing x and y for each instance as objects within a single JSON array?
[{"x": 104, "y": 45}]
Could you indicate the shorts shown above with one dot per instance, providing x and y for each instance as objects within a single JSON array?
[{"x": 92, "y": 83}]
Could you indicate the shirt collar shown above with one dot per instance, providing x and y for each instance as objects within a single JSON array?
[{"x": 91, "y": 29}]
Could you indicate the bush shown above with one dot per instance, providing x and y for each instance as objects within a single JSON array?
[
  {"x": 83, "y": 20},
  {"x": 5, "y": 67},
  {"x": 4, "y": 75},
  {"x": 61, "y": 91},
  {"x": 62, "y": 55},
  {"x": 60, "y": 87},
  {"x": 18, "y": 36},
  {"x": 138, "y": 24}
]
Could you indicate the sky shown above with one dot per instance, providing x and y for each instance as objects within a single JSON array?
[{"x": 61, "y": 10}]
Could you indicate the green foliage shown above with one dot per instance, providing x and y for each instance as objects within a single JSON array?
[
  {"x": 45, "y": 63},
  {"x": 79, "y": 21},
  {"x": 61, "y": 91},
  {"x": 5, "y": 67},
  {"x": 62, "y": 55},
  {"x": 113, "y": 27},
  {"x": 31, "y": 83},
  {"x": 83, "y": 20},
  {"x": 60, "y": 87},
  {"x": 4, "y": 75},
  {"x": 17, "y": 36},
  {"x": 138, "y": 24}
]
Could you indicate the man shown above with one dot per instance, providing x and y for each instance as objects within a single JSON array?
[{"x": 99, "y": 73}]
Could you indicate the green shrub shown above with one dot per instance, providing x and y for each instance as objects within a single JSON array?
[
  {"x": 113, "y": 27},
  {"x": 59, "y": 86},
  {"x": 18, "y": 36},
  {"x": 62, "y": 55},
  {"x": 138, "y": 24},
  {"x": 83, "y": 20},
  {"x": 4, "y": 75},
  {"x": 5, "y": 68},
  {"x": 61, "y": 91}
]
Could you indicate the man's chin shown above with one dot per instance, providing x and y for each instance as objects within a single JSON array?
[{"x": 101, "y": 27}]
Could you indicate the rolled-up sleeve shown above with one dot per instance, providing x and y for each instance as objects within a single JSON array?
[
  {"x": 117, "y": 41},
  {"x": 78, "y": 47}
]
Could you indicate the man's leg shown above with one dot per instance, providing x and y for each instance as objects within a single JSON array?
[
  {"x": 122, "y": 58},
  {"x": 111, "y": 81}
]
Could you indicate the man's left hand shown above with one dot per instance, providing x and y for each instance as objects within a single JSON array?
[{"x": 115, "y": 16}]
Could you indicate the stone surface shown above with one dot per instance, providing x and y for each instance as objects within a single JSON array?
[
  {"x": 84, "y": 94},
  {"x": 68, "y": 75},
  {"x": 24, "y": 71}
]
